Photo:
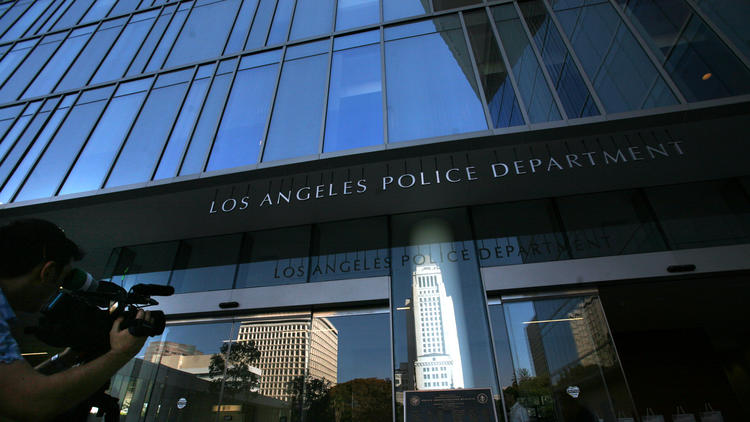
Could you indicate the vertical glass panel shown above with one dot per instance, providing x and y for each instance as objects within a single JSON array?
[
  {"x": 354, "y": 13},
  {"x": 47, "y": 26},
  {"x": 396, "y": 9},
  {"x": 11, "y": 60},
  {"x": 18, "y": 128},
  {"x": 185, "y": 362},
  {"x": 241, "y": 131},
  {"x": 22, "y": 24},
  {"x": 73, "y": 14},
  {"x": 285, "y": 350},
  {"x": 149, "y": 44},
  {"x": 21, "y": 145},
  {"x": 160, "y": 54},
  {"x": 241, "y": 27},
  {"x": 497, "y": 85},
  {"x": 532, "y": 85},
  {"x": 138, "y": 158},
  {"x": 98, "y": 10},
  {"x": 350, "y": 358},
  {"x": 274, "y": 257},
  {"x": 729, "y": 17},
  {"x": 350, "y": 249},
  {"x": 206, "y": 264},
  {"x": 144, "y": 264},
  {"x": 205, "y": 32},
  {"x": 312, "y": 17},
  {"x": 57, "y": 159},
  {"x": 431, "y": 86},
  {"x": 170, "y": 161},
  {"x": 452, "y": 4},
  {"x": 261, "y": 24},
  {"x": 519, "y": 233},
  {"x": 58, "y": 64},
  {"x": 620, "y": 71},
  {"x": 101, "y": 148},
  {"x": 19, "y": 174},
  {"x": 122, "y": 8},
  {"x": 355, "y": 100},
  {"x": 612, "y": 223},
  {"x": 119, "y": 57},
  {"x": 701, "y": 215},
  {"x": 13, "y": 12},
  {"x": 565, "y": 367},
  {"x": 571, "y": 88},
  {"x": 281, "y": 19},
  {"x": 195, "y": 157},
  {"x": 696, "y": 59},
  {"x": 17, "y": 83},
  {"x": 87, "y": 62},
  {"x": 440, "y": 331},
  {"x": 298, "y": 110}
]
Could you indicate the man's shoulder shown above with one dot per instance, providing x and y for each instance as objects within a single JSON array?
[{"x": 9, "y": 350}]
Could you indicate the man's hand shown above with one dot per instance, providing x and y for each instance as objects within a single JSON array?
[{"x": 123, "y": 343}]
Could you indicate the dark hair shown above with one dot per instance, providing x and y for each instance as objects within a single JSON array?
[{"x": 24, "y": 244}]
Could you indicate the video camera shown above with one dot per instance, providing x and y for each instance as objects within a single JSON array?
[{"x": 80, "y": 318}]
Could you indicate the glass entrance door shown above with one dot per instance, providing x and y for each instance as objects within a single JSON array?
[{"x": 557, "y": 361}]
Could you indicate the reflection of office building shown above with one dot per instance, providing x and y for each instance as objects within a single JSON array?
[
  {"x": 161, "y": 349},
  {"x": 284, "y": 345},
  {"x": 438, "y": 363}
]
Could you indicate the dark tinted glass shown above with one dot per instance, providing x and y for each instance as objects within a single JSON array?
[
  {"x": 49, "y": 76},
  {"x": 25, "y": 73},
  {"x": 20, "y": 143},
  {"x": 450, "y": 4},
  {"x": 274, "y": 257},
  {"x": 147, "y": 264},
  {"x": 350, "y": 249},
  {"x": 206, "y": 264},
  {"x": 729, "y": 17}
]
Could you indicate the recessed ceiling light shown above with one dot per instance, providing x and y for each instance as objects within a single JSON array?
[{"x": 706, "y": 76}]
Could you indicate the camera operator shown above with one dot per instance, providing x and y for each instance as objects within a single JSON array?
[{"x": 35, "y": 256}]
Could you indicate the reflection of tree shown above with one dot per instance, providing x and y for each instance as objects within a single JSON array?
[
  {"x": 533, "y": 393},
  {"x": 238, "y": 376},
  {"x": 358, "y": 400}
]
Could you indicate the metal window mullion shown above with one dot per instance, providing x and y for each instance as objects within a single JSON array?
[
  {"x": 46, "y": 147},
  {"x": 231, "y": 28},
  {"x": 111, "y": 8},
  {"x": 250, "y": 27},
  {"x": 52, "y": 26},
  {"x": 198, "y": 116},
  {"x": 571, "y": 52},
  {"x": 644, "y": 46},
  {"x": 161, "y": 37},
  {"x": 41, "y": 68},
  {"x": 87, "y": 139},
  {"x": 83, "y": 15},
  {"x": 540, "y": 61},
  {"x": 383, "y": 88},
  {"x": 20, "y": 63},
  {"x": 31, "y": 144},
  {"x": 174, "y": 123},
  {"x": 109, "y": 50},
  {"x": 325, "y": 98},
  {"x": 129, "y": 131},
  {"x": 78, "y": 55},
  {"x": 4, "y": 12},
  {"x": 42, "y": 20},
  {"x": 267, "y": 128},
  {"x": 475, "y": 68},
  {"x": 509, "y": 71},
  {"x": 223, "y": 109},
  {"x": 135, "y": 56},
  {"x": 719, "y": 33},
  {"x": 18, "y": 18},
  {"x": 179, "y": 32}
]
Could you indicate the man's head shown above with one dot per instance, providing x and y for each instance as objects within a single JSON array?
[{"x": 35, "y": 255}]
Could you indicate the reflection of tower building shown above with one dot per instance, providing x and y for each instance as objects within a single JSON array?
[
  {"x": 160, "y": 349},
  {"x": 284, "y": 344},
  {"x": 438, "y": 362}
]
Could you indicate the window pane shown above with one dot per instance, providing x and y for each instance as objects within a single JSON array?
[
  {"x": 94, "y": 162},
  {"x": 730, "y": 16},
  {"x": 119, "y": 58},
  {"x": 15, "y": 56},
  {"x": 298, "y": 111},
  {"x": 498, "y": 88},
  {"x": 261, "y": 24},
  {"x": 354, "y": 13},
  {"x": 21, "y": 145},
  {"x": 274, "y": 257},
  {"x": 312, "y": 17},
  {"x": 27, "y": 70},
  {"x": 144, "y": 264},
  {"x": 355, "y": 100},
  {"x": 72, "y": 14},
  {"x": 149, "y": 44},
  {"x": 204, "y": 33},
  {"x": 241, "y": 131},
  {"x": 57, "y": 159},
  {"x": 144, "y": 145},
  {"x": 350, "y": 249},
  {"x": 574, "y": 95},
  {"x": 431, "y": 85},
  {"x": 206, "y": 264},
  {"x": 22, "y": 24},
  {"x": 439, "y": 313},
  {"x": 157, "y": 60},
  {"x": 281, "y": 19},
  {"x": 451, "y": 4},
  {"x": 396, "y": 9},
  {"x": 98, "y": 10},
  {"x": 241, "y": 27},
  {"x": 47, "y": 79},
  {"x": 620, "y": 71},
  {"x": 532, "y": 84}
]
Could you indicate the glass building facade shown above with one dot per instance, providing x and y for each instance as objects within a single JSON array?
[{"x": 543, "y": 201}]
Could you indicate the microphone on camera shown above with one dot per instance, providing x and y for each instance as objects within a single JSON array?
[{"x": 79, "y": 280}]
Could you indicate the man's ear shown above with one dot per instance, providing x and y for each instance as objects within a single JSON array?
[{"x": 49, "y": 273}]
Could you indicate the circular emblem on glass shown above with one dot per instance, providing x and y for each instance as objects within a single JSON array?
[
  {"x": 181, "y": 403},
  {"x": 414, "y": 401},
  {"x": 482, "y": 398}
]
